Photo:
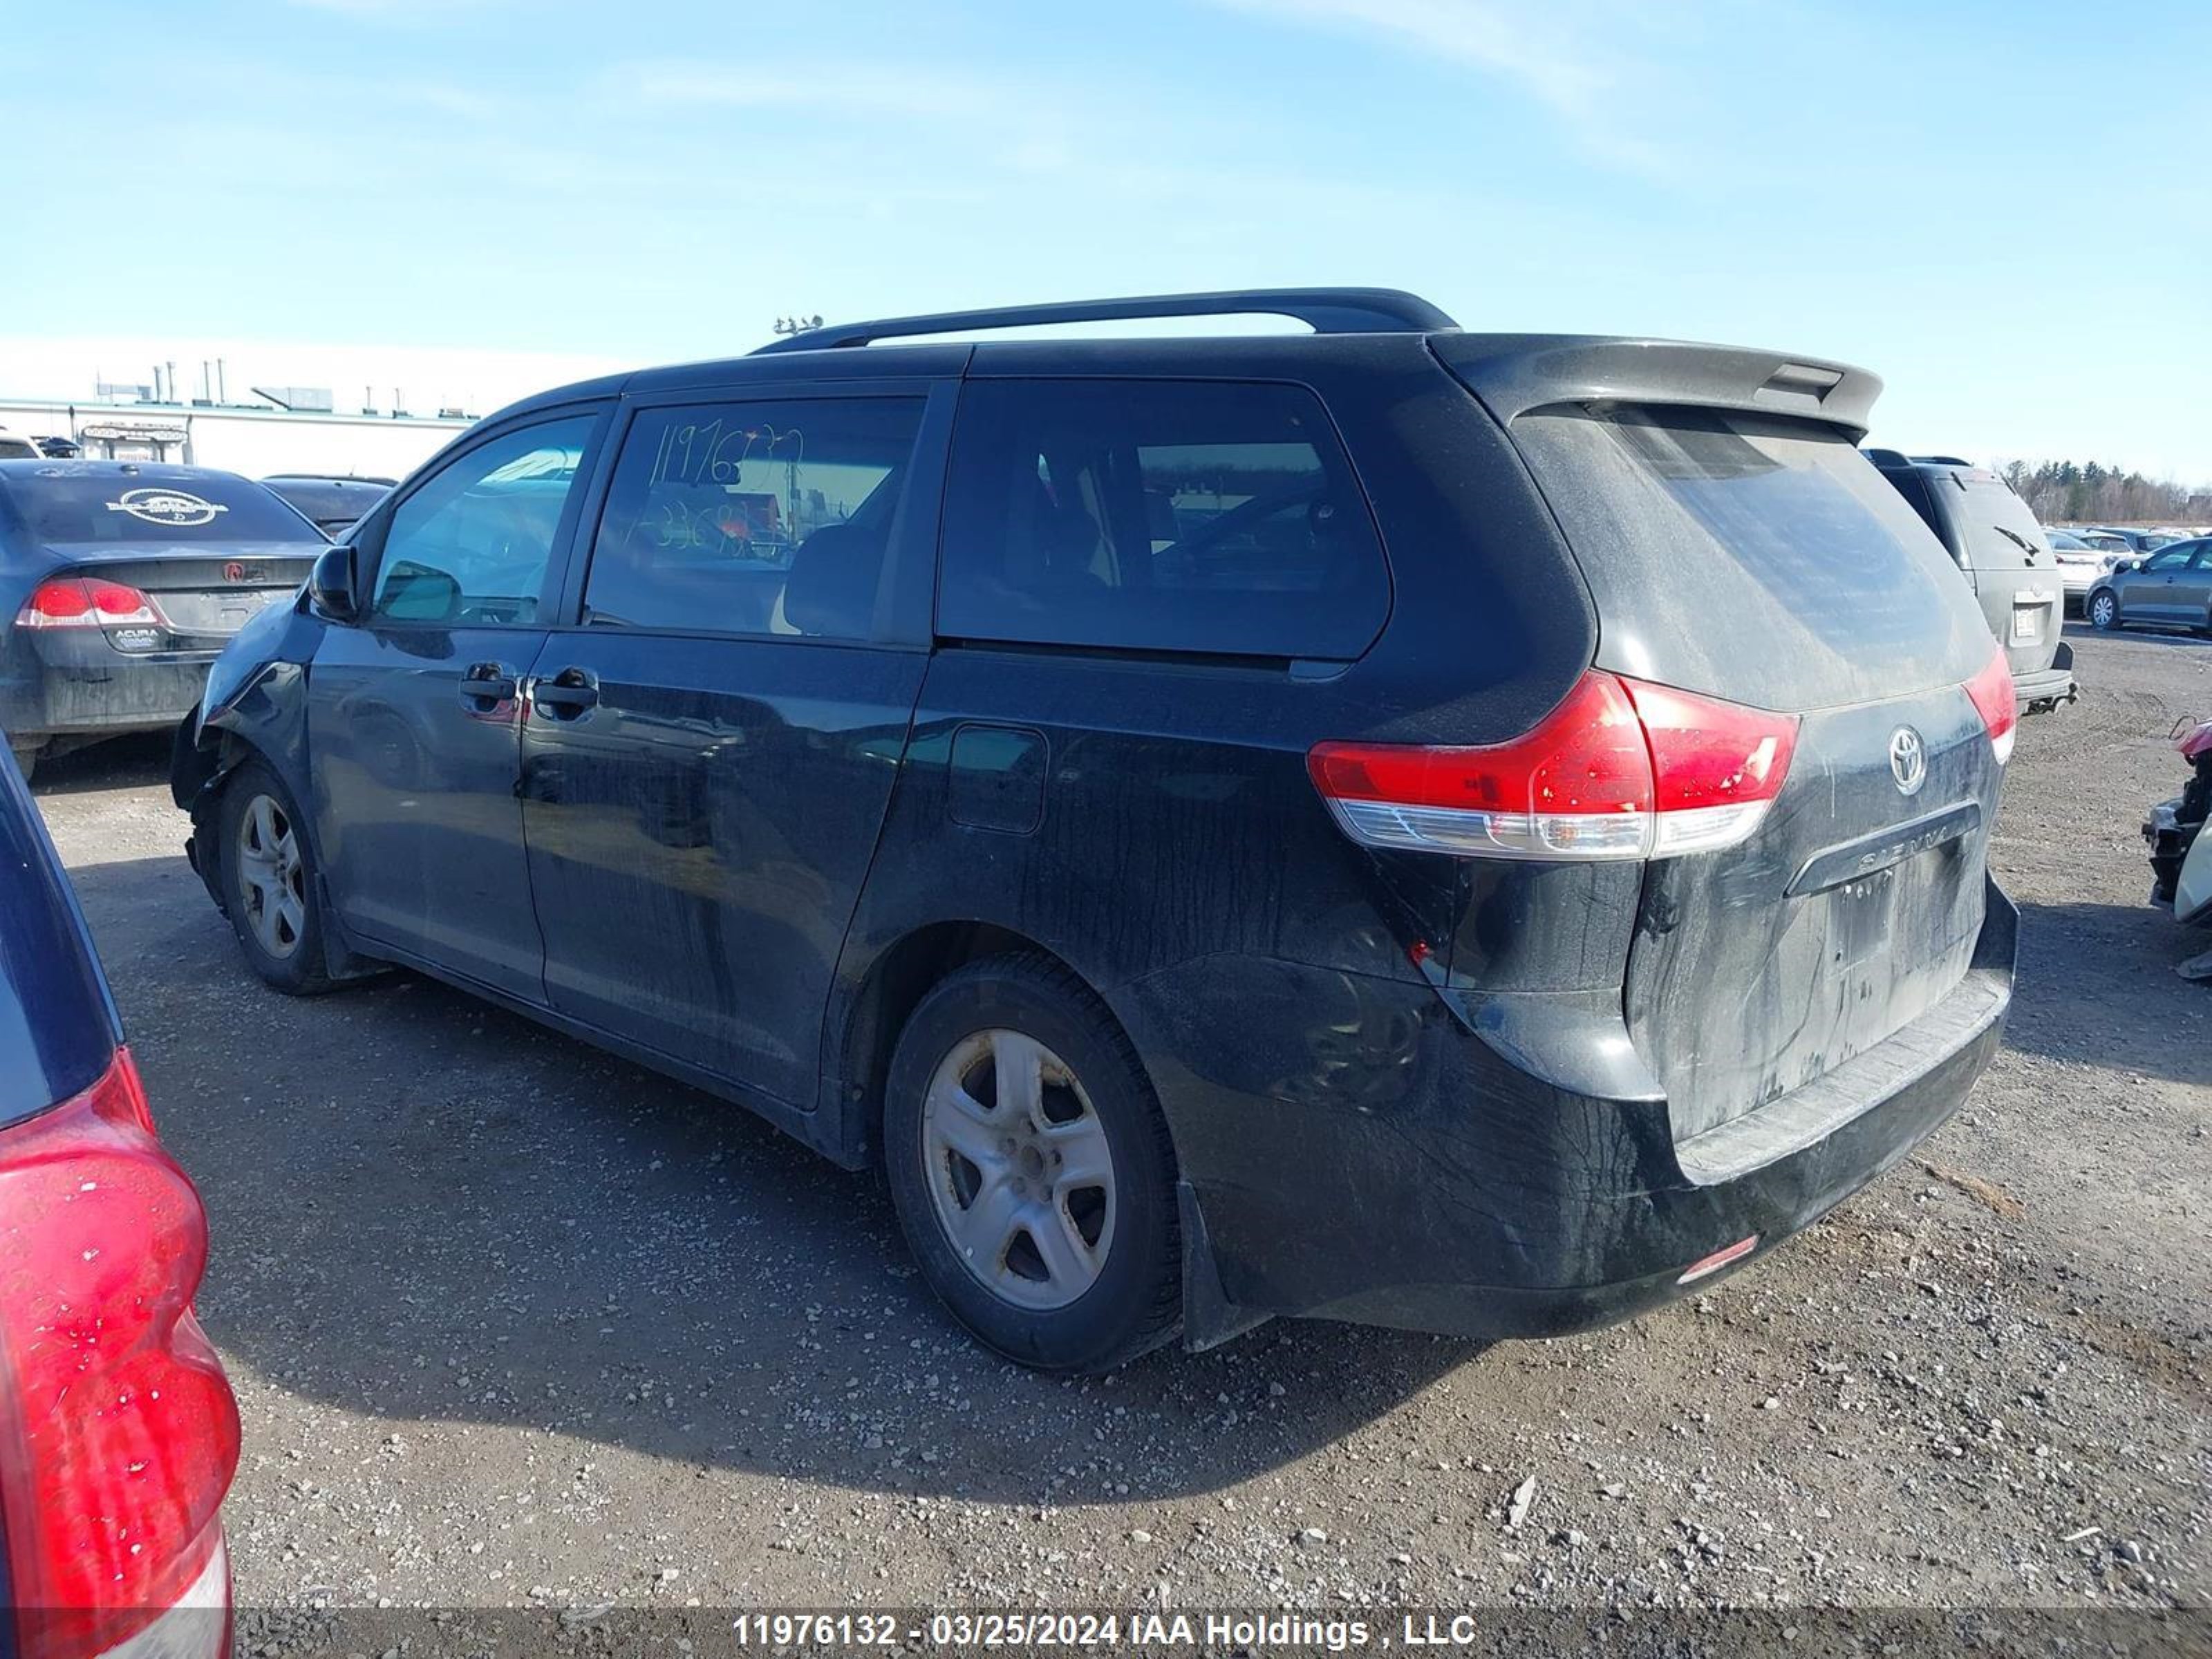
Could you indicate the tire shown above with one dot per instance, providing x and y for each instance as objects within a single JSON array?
[
  {"x": 2104, "y": 611},
  {"x": 1105, "y": 1285},
  {"x": 26, "y": 757},
  {"x": 269, "y": 883}
]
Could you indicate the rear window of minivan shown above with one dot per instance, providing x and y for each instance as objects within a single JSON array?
[
  {"x": 1751, "y": 558},
  {"x": 1996, "y": 528},
  {"x": 1203, "y": 517}
]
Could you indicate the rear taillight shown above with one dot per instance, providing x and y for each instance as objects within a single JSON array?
[
  {"x": 1992, "y": 694},
  {"x": 1620, "y": 769},
  {"x": 87, "y": 602},
  {"x": 118, "y": 1435}
]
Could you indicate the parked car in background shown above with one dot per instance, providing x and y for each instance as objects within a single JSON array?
[
  {"x": 1478, "y": 833},
  {"x": 118, "y": 1435},
  {"x": 15, "y": 447},
  {"x": 120, "y": 582},
  {"x": 2137, "y": 540},
  {"x": 1994, "y": 539},
  {"x": 2171, "y": 587},
  {"x": 2079, "y": 564},
  {"x": 331, "y": 503},
  {"x": 2103, "y": 542},
  {"x": 57, "y": 448}
]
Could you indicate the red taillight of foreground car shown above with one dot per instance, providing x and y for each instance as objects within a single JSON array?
[
  {"x": 1620, "y": 769},
  {"x": 1992, "y": 695},
  {"x": 87, "y": 602},
  {"x": 118, "y": 1435}
]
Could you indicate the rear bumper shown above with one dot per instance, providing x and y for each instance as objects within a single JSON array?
[
  {"x": 71, "y": 682},
  {"x": 1418, "y": 1178}
]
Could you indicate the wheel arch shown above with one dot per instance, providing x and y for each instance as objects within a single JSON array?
[{"x": 864, "y": 1028}]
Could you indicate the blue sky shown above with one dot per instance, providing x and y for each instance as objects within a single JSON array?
[{"x": 2005, "y": 211}]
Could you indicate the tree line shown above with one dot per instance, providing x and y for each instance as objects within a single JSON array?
[{"x": 2065, "y": 492}]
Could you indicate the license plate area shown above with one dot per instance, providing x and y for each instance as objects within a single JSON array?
[
  {"x": 1859, "y": 912},
  {"x": 220, "y": 612}
]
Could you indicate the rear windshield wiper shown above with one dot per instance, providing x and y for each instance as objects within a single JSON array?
[{"x": 2026, "y": 546}]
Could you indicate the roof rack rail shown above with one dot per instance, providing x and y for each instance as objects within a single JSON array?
[
  {"x": 1942, "y": 460},
  {"x": 1325, "y": 310}
]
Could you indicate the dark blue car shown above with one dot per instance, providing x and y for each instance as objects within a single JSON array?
[
  {"x": 119, "y": 582},
  {"x": 1470, "y": 832}
]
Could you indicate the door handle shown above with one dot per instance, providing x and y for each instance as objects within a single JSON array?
[
  {"x": 486, "y": 685},
  {"x": 569, "y": 695}
]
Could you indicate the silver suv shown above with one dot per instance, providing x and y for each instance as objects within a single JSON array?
[{"x": 1993, "y": 538}]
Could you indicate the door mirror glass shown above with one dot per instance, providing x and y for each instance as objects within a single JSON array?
[
  {"x": 331, "y": 585},
  {"x": 412, "y": 591}
]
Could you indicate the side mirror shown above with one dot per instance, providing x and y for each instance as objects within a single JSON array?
[{"x": 331, "y": 585}]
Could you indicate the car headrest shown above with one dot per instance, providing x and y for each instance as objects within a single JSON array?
[{"x": 831, "y": 589}]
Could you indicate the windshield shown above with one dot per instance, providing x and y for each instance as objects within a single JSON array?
[{"x": 60, "y": 504}]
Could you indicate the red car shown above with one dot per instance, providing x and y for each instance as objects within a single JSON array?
[{"x": 118, "y": 1435}]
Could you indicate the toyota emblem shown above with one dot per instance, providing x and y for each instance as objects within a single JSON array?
[{"x": 1908, "y": 760}]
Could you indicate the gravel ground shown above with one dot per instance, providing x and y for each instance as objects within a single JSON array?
[{"x": 511, "y": 1322}]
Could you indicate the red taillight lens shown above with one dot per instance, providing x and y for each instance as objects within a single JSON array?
[
  {"x": 118, "y": 1435},
  {"x": 1717, "y": 765},
  {"x": 57, "y": 604},
  {"x": 1620, "y": 770},
  {"x": 87, "y": 602},
  {"x": 1992, "y": 695}
]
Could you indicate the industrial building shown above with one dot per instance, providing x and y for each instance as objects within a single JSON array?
[{"x": 275, "y": 429}]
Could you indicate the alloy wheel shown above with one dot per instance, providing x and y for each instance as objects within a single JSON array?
[
  {"x": 272, "y": 879},
  {"x": 1020, "y": 1172}
]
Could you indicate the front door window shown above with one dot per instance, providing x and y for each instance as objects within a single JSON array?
[{"x": 470, "y": 548}]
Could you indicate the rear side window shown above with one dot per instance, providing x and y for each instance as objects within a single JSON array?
[
  {"x": 768, "y": 517},
  {"x": 1752, "y": 558},
  {"x": 1189, "y": 516},
  {"x": 67, "y": 507}
]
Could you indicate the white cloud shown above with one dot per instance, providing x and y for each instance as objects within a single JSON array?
[
  {"x": 836, "y": 87},
  {"x": 1585, "y": 60},
  {"x": 402, "y": 11}
]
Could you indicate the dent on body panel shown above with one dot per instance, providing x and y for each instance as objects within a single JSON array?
[{"x": 1271, "y": 1071}]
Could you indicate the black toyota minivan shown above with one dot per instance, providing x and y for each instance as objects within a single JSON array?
[{"x": 1470, "y": 832}]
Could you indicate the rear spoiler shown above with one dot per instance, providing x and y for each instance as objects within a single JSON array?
[{"x": 1513, "y": 373}]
